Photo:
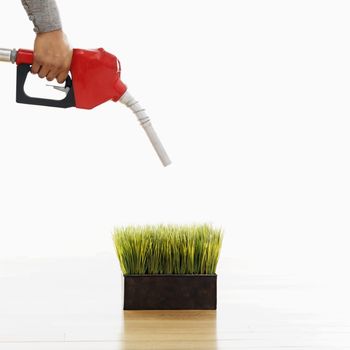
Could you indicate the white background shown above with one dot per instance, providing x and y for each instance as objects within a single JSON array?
[{"x": 251, "y": 100}]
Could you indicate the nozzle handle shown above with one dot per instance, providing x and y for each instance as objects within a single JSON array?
[{"x": 21, "y": 96}]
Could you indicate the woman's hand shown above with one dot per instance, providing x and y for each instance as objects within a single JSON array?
[{"x": 52, "y": 56}]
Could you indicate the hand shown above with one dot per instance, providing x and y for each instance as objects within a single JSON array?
[{"x": 52, "y": 56}]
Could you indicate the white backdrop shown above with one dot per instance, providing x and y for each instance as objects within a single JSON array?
[{"x": 251, "y": 100}]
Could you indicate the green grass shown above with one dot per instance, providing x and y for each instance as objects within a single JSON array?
[{"x": 168, "y": 249}]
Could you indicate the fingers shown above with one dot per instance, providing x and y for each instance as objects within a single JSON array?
[
  {"x": 50, "y": 69},
  {"x": 44, "y": 71},
  {"x": 61, "y": 77},
  {"x": 53, "y": 74},
  {"x": 35, "y": 67}
]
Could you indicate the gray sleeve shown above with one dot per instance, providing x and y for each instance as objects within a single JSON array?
[{"x": 44, "y": 14}]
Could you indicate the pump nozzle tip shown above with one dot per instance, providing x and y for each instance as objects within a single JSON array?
[{"x": 145, "y": 122}]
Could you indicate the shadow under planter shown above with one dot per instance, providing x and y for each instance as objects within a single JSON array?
[{"x": 170, "y": 292}]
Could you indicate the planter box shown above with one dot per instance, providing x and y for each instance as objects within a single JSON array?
[{"x": 170, "y": 292}]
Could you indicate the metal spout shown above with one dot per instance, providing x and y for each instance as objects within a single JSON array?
[{"x": 7, "y": 55}]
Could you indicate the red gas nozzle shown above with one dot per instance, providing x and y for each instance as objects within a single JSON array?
[
  {"x": 95, "y": 75},
  {"x": 95, "y": 80}
]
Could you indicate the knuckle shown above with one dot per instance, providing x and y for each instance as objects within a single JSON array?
[
  {"x": 39, "y": 59},
  {"x": 55, "y": 63},
  {"x": 66, "y": 66}
]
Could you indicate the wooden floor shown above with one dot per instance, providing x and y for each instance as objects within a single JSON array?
[{"x": 76, "y": 304}]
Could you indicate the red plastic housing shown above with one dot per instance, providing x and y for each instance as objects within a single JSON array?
[{"x": 95, "y": 76}]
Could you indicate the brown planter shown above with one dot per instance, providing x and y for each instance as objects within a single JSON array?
[{"x": 170, "y": 292}]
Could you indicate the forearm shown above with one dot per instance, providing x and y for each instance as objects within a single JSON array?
[{"x": 44, "y": 14}]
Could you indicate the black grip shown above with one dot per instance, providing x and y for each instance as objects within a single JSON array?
[{"x": 22, "y": 97}]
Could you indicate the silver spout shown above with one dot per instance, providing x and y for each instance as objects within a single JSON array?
[
  {"x": 7, "y": 55},
  {"x": 145, "y": 122}
]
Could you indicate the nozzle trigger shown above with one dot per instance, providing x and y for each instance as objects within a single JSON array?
[{"x": 60, "y": 88}]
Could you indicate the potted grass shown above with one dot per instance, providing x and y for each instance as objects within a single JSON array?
[{"x": 169, "y": 267}]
